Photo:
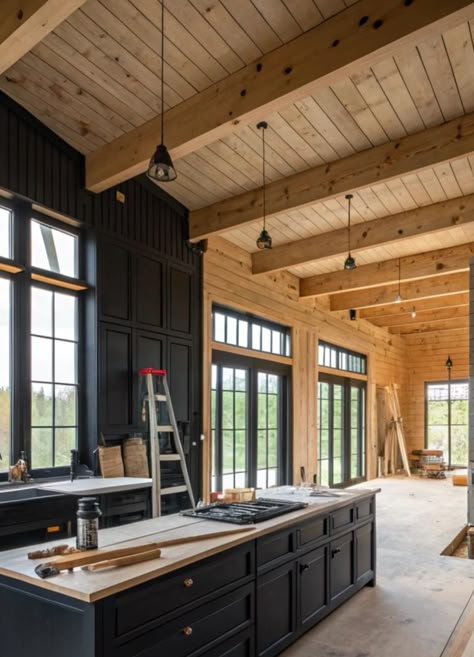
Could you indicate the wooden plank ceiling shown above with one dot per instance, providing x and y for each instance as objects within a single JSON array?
[{"x": 96, "y": 76}]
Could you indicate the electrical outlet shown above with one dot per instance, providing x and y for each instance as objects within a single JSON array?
[{"x": 120, "y": 196}]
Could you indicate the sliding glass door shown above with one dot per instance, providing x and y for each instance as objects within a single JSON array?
[
  {"x": 341, "y": 430},
  {"x": 249, "y": 415}
]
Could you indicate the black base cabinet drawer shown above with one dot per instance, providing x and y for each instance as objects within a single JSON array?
[
  {"x": 196, "y": 632},
  {"x": 275, "y": 549},
  {"x": 132, "y": 611},
  {"x": 241, "y": 645}
]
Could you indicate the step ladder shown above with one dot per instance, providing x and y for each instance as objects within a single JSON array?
[{"x": 151, "y": 401}]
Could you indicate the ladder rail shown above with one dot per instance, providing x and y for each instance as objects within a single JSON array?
[{"x": 154, "y": 450}]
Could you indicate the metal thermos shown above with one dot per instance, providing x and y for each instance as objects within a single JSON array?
[{"x": 88, "y": 515}]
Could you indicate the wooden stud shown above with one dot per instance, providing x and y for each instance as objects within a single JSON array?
[
  {"x": 422, "y": 317},
  {"x": 422, "y": 289},
  {"x": 433, "y": 263},
  {"x": 24, "y": 24},
  {"x": 321, "y": 56},
  {"x": 395, "y": 309},
  {"x": 378, "y": 232}
]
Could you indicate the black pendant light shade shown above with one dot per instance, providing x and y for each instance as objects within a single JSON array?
[
  {"x": 349, "y": 262},
  {"x": 161, "y": 167},
  {"x": 264, "y": 241}
]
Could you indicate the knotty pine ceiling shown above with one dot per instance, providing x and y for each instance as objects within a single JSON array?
[{"x": 98, "y": 75}]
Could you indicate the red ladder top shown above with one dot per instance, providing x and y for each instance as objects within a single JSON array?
[{"x": 151, "y": 370}]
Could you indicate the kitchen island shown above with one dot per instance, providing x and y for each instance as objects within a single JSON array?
[{"x": 249, "y": 593}]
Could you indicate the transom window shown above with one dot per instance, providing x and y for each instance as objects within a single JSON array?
[
  {"x": 250, "y": 332},
  {"x": 339, "y": 358}
]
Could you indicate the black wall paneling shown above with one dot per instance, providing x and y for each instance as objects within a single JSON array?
[{"x": 143, "y": 306}]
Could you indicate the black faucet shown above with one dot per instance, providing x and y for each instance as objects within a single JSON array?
[{"x": 74, "y": 463}]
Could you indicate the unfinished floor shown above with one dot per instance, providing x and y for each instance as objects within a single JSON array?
[{"x": 420, "y": 597}]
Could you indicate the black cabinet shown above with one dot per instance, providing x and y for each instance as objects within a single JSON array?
[
  {"x": 313, "y": 587},
  {"x": 276, "y": 611},
  {"x": 341, "y": 566}
]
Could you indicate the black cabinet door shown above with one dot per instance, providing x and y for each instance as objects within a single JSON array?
[
  {"x": 341, "y": 555},
  {"x": 313, "y": 587},
  {"x": 116, "y": 377},
  {"x": 276, "y": 610},
  {"x": 364, "y": 553}
]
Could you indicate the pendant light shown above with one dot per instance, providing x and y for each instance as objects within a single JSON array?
[
  {"x": 398, "y": 298},
  {"x": 264, "y": 240},
  {"x": 161, "y": 167},
  {"x": 349, "y": 262},
  {"x": 413, "y": 312}
]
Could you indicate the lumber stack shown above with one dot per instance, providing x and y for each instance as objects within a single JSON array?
[
  {"x": 430, "y": 462},
  {"x": 395, "y": 444}
]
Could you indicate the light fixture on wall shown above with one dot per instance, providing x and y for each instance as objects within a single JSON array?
[
  {"x": 413, "y": 312},
  {"x": 349, "y": 262},
  {"x": 161, "y": 167},
  {"x": 264, "y": 241},
  {"x": 398, "y": 298}
]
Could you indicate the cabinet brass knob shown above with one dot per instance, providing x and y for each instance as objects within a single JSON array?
[
  {"x": 188, "y": 582},
  {"x": 187, "y": 631}
]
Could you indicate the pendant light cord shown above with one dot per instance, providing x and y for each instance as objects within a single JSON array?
[
  {"x": 349, "y": 226},
  {"x": 162, "y": 67},
  {"x": 264, "y": 178}
]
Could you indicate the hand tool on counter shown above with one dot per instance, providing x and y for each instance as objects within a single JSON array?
[
  {"x": 100, "y": 556},
  {"x": 57, "y": 550},
  {"x": 69, "y": 562},
  {"x": 148, "y": 555}
]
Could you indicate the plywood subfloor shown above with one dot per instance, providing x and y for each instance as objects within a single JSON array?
[{"x": 420, "y": 596}]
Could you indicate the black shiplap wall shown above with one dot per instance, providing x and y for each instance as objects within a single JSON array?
[{"x": 37, "y": 165}]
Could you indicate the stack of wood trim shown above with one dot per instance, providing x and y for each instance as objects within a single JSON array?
[{"x": 395, "y": 445}]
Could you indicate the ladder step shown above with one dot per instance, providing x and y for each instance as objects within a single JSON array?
[
  {"x": 161, "y": 398},
  {"x": 169, "y": 457},
  {"x": 165, "y": 428},
  {"x": 174, "y": 489}
]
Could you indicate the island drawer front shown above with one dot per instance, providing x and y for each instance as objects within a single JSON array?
[
  {"x": 365, "y": 509},
  {"x": 151, "y": 601},
  {"x": 275, "y": 548},
  {"x": 240, "y": 645},
  {"x": 200, "y": 630},
  {"x": 312, "y": 532},
  {"x": 341, "y": 519}
]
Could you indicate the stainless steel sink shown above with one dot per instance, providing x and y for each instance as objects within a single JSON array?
[{"x": 27, "y": 494}]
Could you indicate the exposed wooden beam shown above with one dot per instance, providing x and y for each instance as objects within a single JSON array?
[
  {"x": 377, "y": 232},
  {"x": 24, "y": 23},
  {"x": 423, "y": 265},
  {"x": 447, "y": 325},
  {"x": 422, "y": 317},
  {"x": 381, "y": 163},
  {"x": 421, "y": 289},
  {"x": 336, "y": 48},
  {"x": 393, "y": 309}
]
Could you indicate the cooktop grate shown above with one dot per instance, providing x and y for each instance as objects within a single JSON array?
[{"x": 245, "y": 513}]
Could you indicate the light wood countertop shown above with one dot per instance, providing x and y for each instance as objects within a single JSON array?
[{"x": 91, "y": 586}]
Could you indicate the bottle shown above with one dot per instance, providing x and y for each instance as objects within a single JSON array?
[{"x": 88, "y": 515}]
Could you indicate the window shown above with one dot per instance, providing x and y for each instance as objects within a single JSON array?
[
  {"x": 249, "y": 332},
  {"x": 341, "y": 431},
  {"x": 53, "y": 377},
  {"x": 341, "y": 359},
  {"x": 444, "y": 419},
  {"x": 249, "y": 422},
  {"x": 39, "y": 338},
  {"x": 5, "y": 372}
]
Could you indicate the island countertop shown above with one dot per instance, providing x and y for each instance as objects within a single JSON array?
[{"x": 90, "y": 586}]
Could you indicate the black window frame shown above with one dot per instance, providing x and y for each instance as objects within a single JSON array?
[
  {"x": 426, "y": 400},
  {"x": 341, "y": 353},
  {"x": 254, "y": 365},
  {"x": 347, "y": 383},
  {"x": 285, "y": 331},
  {"x": 22, "y": 283}
]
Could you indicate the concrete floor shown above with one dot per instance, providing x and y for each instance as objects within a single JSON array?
[{"x": 420, "y": 595}]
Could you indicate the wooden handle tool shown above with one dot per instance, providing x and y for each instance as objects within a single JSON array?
[{"x": 125, "y": 561}]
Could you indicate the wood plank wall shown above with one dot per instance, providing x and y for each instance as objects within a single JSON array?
[
  {"x": 426, "y": 358},
  {"x": 228, "y": 281}
]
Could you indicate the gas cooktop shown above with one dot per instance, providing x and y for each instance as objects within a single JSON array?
[{"x": 245, "y": 513}]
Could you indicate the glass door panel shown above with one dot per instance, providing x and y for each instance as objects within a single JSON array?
[
  {"x": 269, "y": 388},
  {"x": 338, "y": 451}
]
